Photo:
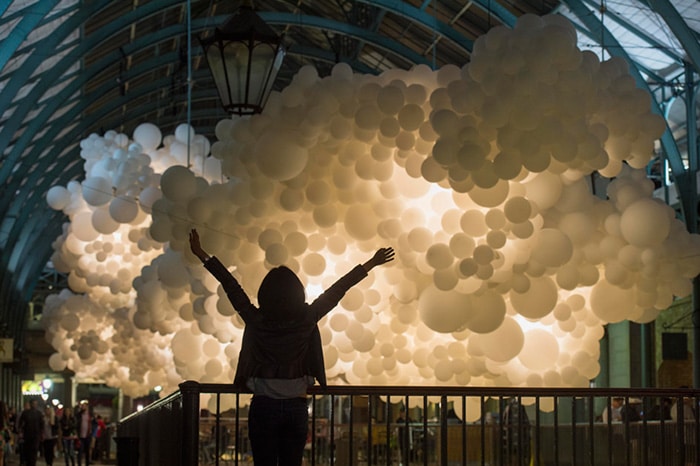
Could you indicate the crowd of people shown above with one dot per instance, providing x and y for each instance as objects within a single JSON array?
[
  {"x": 623, "y": 410},
  {"x": 76, "y": 435}
]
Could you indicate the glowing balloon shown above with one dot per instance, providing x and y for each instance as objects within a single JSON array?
[{"x": 58, "y": 197}]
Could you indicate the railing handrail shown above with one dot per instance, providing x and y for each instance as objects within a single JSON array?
[
  {"x": 151, "y": 406},
  {"x": 454, "y": 390}
]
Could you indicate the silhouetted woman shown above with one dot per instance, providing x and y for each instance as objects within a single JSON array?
[{"x": 281, "y": 352}]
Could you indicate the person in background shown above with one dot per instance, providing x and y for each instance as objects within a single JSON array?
[
  {"x": 31, "y": 427},
  {"x": 5, "y": 433},
  {"x": 66, "y": 425},
  {"x": 12, "y": 426},
  {"x": 660, "y": 411},
  {"x": 615, "y": 410},
  {"x": 631, "y": 410},
  {"x": 19, "y": 437},
  {"x": 404, "y": 436},
  {"x": 689, "y": 411},
  {"x": 99, "y": 434},
  {"x": 281, "y": 352},
  {"x": 84, "y": 428},
  {"x": 50, "y": 435}
]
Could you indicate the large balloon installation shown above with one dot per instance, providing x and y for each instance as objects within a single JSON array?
[{"x": 508, "y": 266}]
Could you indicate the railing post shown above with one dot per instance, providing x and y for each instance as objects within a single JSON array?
[
  {"x": 680, "y": 429},
  {"x": 443, "y": 430},
  {"x": 190, "y": 422}
]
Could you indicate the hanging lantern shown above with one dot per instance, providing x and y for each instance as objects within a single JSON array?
[{"x": 244, "y": 57}]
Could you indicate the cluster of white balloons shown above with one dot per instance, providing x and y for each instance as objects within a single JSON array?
[
  {"x": 507, "y": 267},
  {"x": 104, "y": 248}
]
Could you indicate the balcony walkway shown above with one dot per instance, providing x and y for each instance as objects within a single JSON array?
[{"x": 206, "y": 424}]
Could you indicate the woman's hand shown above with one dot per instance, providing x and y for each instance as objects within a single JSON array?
[
  {"x": 196, "y": 247},
  {"x": 382, "y": 256}
]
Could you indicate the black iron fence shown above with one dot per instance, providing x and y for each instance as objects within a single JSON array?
[{"x": 206, "y": 424}]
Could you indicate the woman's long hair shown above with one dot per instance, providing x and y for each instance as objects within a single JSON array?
[{"x": 281, "y": 294}]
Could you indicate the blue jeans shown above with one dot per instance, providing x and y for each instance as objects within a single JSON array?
[
  {"x": 277, "y": 430},
  {"x": 84, "y": 450},
  {"x": 69, "y": 451}
]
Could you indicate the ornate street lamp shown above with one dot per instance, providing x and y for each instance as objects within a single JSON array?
[{"x": 244, "y": 57}]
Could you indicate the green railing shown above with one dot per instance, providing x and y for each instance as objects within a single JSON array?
[{"x": 206, "y": 424}]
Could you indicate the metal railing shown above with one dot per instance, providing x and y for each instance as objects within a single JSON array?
[{"x": 427, "y": 426}]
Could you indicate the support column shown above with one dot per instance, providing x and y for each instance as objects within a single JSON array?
[
  {"x": 692, "y": 215},
  {"x": 73, "y": 398},
  {"x": 696, "y": 332},
  {"x": 648, "y": 371}
]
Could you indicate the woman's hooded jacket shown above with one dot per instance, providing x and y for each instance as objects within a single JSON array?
[{"x": 281, "y": 339}]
